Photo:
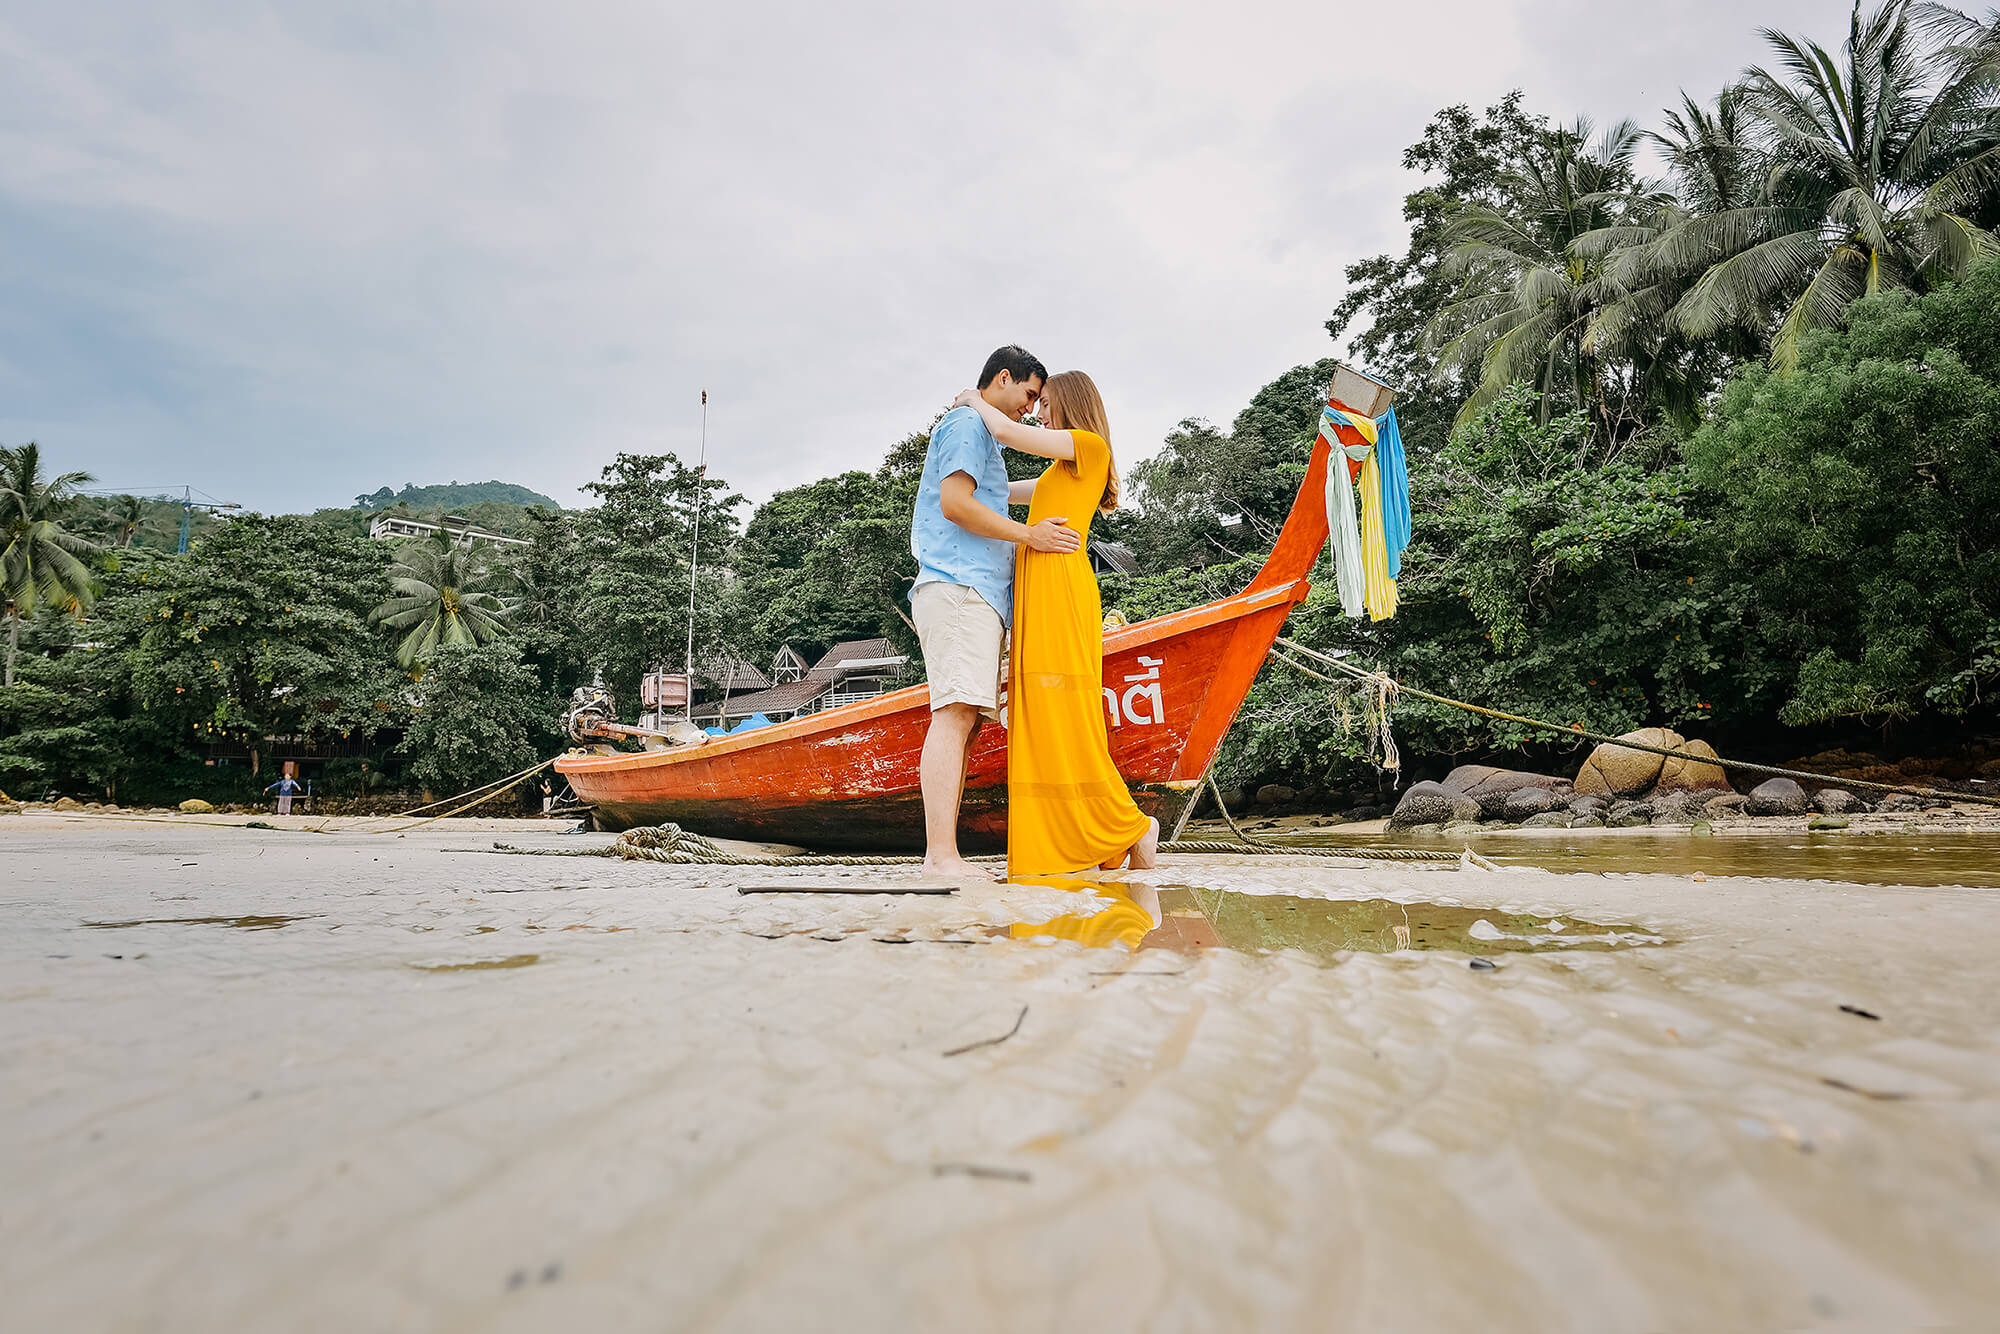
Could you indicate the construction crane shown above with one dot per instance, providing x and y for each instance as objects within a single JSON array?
[{"x": 189, "y": 505}]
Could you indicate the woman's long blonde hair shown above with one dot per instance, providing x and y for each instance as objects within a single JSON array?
[{"x": 1070, "y": 402}]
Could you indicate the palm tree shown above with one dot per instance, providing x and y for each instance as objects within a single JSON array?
[
  {"x": 1879, "y": 157},
  {"x": 1531, "y": 290},
  {"x": 1714, "y": 168},
  {"x": 125, "y": 516},
  {"x": 40, "y": 564},
  {"x": 443, "y": 596},
  {"x": 1715, "y": 165}
]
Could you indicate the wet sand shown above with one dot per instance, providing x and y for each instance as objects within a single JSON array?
[{"x": 260, "y": 1079}]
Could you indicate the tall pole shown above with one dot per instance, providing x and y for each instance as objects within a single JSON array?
[
  {"x": 694, "y": 547},
  {"x": 187, "y": 518}
]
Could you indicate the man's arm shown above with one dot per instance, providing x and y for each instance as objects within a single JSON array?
[{"x": 955, "y": 497}]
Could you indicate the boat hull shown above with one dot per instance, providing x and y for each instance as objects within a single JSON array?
[
  {"x": 846, "y": 779},
  {"x": 876, "y": 823}
]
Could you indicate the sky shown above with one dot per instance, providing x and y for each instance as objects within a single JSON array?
[{"x": 287, "y": 254}]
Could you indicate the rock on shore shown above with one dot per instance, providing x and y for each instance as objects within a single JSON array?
[
  {"x": 1777, "y": 796},
  {"x": 1837, "y": 801},
  {"x": 1433, "y": 804},
  {"x": 1491, "y": 787},
  {"x": 1689, "y": 771},
  {"x": 1614, "y": 771}
]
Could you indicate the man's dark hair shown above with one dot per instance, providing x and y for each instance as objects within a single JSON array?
[{"x": 1017, "y": 362}]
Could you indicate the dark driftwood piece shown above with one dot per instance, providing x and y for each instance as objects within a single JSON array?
[{"x": 982, "y": 1171}]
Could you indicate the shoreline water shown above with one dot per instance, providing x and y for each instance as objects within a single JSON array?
[{"x": 353, "y": 1081}]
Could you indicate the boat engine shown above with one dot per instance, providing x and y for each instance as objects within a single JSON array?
[{"x": 591, "y": 708}]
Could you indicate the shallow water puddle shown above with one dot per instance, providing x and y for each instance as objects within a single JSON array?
[
  {"x": 248, "y": 923},
  {"x": 1186, "y": 919},
  {"x": 1850, "y": 856}
]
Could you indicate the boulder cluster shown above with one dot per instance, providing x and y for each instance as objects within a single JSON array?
[{"x": 1616, "y": 787}]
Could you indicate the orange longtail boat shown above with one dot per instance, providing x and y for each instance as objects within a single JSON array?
[{"x": 846, "y": 779}]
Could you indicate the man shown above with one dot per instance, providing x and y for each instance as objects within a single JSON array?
[{"x": 963, "y": 600}]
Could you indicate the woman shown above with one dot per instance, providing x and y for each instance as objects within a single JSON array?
[{"x": 1067, "y": 808}]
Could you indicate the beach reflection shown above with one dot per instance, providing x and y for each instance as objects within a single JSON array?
[
  {"x": 1129, "y": 913},
  {"x": 1187, "y": 919}
]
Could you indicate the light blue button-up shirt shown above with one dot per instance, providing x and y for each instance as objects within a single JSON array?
[{"x": 944, "y": 551}]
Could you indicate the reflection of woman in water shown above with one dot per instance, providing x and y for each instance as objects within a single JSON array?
[
  {"x": 1131, "y": 915},
  {"x": 1067, "y": 807}
]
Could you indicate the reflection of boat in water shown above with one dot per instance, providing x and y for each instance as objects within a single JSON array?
[{"x": 847, "y": 778}]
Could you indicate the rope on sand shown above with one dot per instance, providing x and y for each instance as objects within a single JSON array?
[
  {"x": 486, "y": 792},
  {"x": 482, "y": 799},
  {"x": 671, "y": 844}
]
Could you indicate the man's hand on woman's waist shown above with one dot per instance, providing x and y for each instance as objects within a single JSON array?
[{"x": 962, "y": 507}]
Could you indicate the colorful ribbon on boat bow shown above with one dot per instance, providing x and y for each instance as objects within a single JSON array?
[{"x": 1367, "y": 549}]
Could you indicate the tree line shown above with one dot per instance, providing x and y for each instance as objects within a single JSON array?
[{"x": 1712, "y": 449}]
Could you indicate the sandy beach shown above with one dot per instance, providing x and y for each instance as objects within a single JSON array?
[{"x": 266, "y": 1079}]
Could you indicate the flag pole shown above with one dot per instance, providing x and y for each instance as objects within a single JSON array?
[{"x": 694, "y": 548}]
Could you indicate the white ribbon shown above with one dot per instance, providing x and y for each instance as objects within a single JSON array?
[{"x": 1344, "y": 526}]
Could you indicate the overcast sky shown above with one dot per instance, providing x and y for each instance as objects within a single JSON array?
[{"x": 290, "y": 253}]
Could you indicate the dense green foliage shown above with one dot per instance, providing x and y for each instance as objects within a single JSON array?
[
  {"x": 1819, "y": 551},
  {"x": 1858, "y": 503},
  {"x": 264, "y": 632},
  {"x": 68, "y": 723},
  {"x": 259, "y": 633},
  {"x": 454, "y": 497},
  {"x": 479, "y": 714},
  {"x": 606, "y": 589}
]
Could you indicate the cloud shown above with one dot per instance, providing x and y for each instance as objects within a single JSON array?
[{"x": 290, "y": 254}]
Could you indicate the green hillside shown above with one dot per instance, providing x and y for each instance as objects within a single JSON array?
[{"x": 454, "y": 497}]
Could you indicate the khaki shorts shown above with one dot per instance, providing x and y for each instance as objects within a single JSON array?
[{"x": 962, "y": 637}]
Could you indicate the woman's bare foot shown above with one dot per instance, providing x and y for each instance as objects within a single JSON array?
[
  {"x": 956, "y": 868},
  {"x": 1145, "y": 855},
  {"x": 1146, "y": 852}
]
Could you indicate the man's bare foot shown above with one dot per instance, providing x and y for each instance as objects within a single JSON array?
[
  {"x": 1146, "y": 852},
  {"x": 956, "y": 868}
]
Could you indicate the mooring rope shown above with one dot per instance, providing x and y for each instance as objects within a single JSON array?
[
  {"x": 486, "y": 791},
  {"x": 671, "y": 844},
  {"x": 1381, "y": 691},
  {"x": 1569, "y": 730}
]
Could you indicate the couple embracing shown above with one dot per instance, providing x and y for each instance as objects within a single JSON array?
[{"x": 983, "y": 579}]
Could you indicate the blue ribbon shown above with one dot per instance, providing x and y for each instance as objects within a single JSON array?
[{"x": 1395, "y": 489}]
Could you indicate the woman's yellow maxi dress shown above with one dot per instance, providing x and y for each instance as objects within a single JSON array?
[{"x": 1067, "y": 808}]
